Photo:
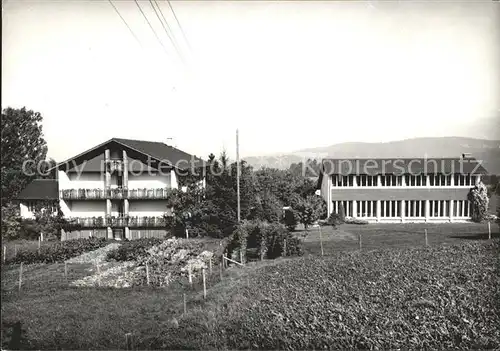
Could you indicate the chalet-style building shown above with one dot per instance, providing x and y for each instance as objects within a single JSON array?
[
  {"x": 400, "y": 190},
  {"x": 116, "y": 190}
]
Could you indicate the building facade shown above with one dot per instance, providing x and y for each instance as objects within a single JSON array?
[
  {"x": 400, "y": 190},
  {"x": 118, "y": 189}
]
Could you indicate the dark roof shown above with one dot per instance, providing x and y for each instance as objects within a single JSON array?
[
  {"x": 161, "y": 151},
  {"x": 92, "y": 159},
  {"x": 402, "y": 166},
  {"x": 399, "y": 166},
  {"x": 40, "y": 189}
]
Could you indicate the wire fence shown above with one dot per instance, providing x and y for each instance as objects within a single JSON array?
[
  {"x": 327, "y": 240},
  {"x": 100, "y": 274}
]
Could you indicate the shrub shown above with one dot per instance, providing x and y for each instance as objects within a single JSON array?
[
  {"x": 267, "y": 239},
  {"x": 335, "y": 219},
  {"x": 356, "y": 221},
  {"x": 133, "y": 250},
  {"x": 291, "y": 219},
  {"x": 478, "y": 196},
  {"x": 59, "y": 251}
]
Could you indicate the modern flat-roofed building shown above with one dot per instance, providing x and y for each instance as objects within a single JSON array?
[
  {"x": 400, "y": 190},
  {"x": 118, "y": 189}
]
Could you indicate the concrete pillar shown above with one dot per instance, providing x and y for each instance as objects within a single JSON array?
[
  {"x": 109, "y": 232},
  {"x": 403, "y": 210},
  {"x": 173, "y": 179},
  {"x": 427, "y": 210},
  {"x": 354, "y": 209},
  {"x": 125, "y": 207},
  {"x": 452, "y": 208},
  {"x": 125, "y": 169},
  {"x": 108, "y": 207},
  {"x": 107, "y": 180},
  {"x": 403, "y": 180},
  {"x": 354, "y": 180},
  {"x": 379, "y": 180},
  {"x": 377, "y": 214},
  {"x": 127, "y": 233}
]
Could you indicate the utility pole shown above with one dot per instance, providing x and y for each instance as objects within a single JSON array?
[{"x": 238, "y": 175}]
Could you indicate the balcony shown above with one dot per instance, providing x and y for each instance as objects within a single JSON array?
[
  {"x": 116, "y": 193},
  {"x": 116, "y": 222},
  {"x": 158, "y": 194},
  {"x": 82, "y": 194},
  {"x": 114, "y": 165}
]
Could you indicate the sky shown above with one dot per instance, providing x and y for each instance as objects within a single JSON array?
[{"x": 289, "y": 75}]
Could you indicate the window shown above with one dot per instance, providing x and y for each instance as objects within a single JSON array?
[
  {"x": 391, "y": 180},
  {"x": 390, "y": 209},
  {"x": 462, "y": 208},
  {"x": 366, "y": 209},
  {"x": 464, "y": 180},
  {"x": 31, "y": 206},
  {"x": 342, "y": 181},
  {"x": 439, "y": 208},
  {"x": 366, "y": 180}
]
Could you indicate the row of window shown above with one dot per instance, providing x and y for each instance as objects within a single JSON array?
[
  {"x": 407, "y": 180},
  {"x": 412, "y": 208}
]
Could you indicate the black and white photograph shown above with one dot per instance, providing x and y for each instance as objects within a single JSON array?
[{"x": 250, "y": 175}]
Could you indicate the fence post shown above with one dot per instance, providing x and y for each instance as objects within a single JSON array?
[
  {"x": 426, "y": 241},
  {"x": 359, "y": 241},
  {"x": 4, "y": 253},
  {"x": 39, "y": 243},
  {"x": 98, "y": 273},
  {"x": 20, "y": 276},
  {"x": 66, "y": 271},
  {"x": 128, "y": 341},
  {"x": 210, "y": 265},
  {"x": 184, "y": 302},
  {"x": 241, "y": 256},
  {"x": 321, "y": 240},
  {"x": 284, "y": 247},
  {"x": 204, "y": 284},
  {"x": 190, "y": 276},
  {"x": 489, "y": 230},
  {"x": 220, "y": 268},
  {"x": 147, "y": 273}
]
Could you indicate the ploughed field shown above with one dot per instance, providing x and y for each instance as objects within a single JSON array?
[{"x": 441, "y": 296}]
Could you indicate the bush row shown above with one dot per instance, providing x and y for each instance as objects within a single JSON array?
[
  {"x": 133, "y": 250},
  {"x": 259, "y": 239},
  {"x": 58, "y": 251}
]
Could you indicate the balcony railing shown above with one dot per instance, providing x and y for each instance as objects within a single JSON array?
[
  {"x": 82, "y": 194},
  {"x": 160, "y": 193},
  {"x": 116, "y": 193},
  {"x": 117, "y": 222}
]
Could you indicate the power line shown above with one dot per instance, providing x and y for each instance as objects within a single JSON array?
[
  {"x": 150, "y": 26},
  {"x": 123, "y": 19},
  {"x": 179, "y": 24},
  {"x": 172, "y": 39}
]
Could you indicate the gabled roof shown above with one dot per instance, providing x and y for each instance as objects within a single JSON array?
[
  {"x": 161, "y": 151},
  {"x": 40, "y": 189},
  {"x": 137, "y": 149}
]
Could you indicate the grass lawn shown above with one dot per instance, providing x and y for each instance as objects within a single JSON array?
[{"x": 378, "y": 236}]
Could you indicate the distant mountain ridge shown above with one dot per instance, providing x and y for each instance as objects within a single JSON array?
[{"x": 482, "y": 149}]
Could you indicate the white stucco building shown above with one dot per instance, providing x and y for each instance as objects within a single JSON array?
[{"x": 118, "y": 189}]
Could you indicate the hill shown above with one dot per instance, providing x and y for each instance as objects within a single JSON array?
[{"x": 481, "y": 149}]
